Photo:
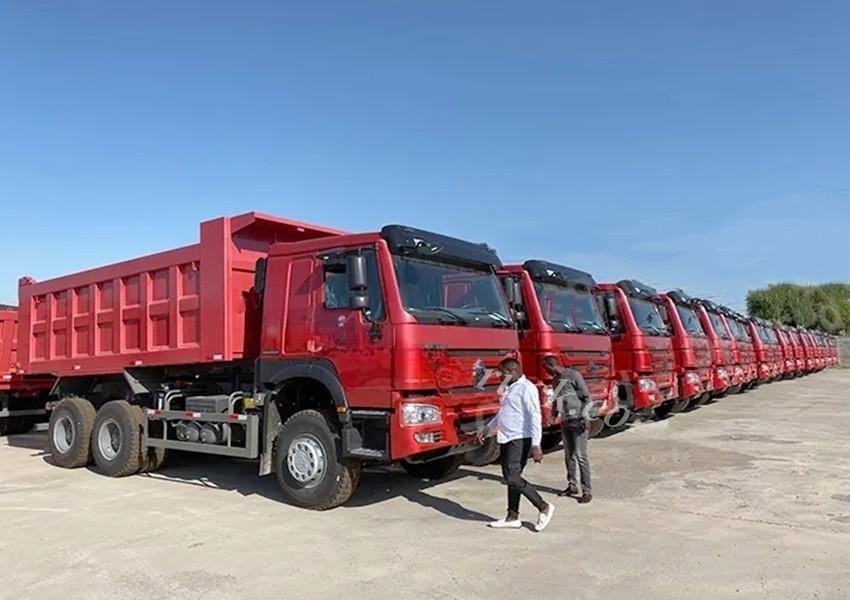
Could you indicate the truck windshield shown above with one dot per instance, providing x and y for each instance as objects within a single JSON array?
[
  {"x": 434, "y": 292},
  {"x": 690, "y": 321},
  {"x": 767, "y": 335},
  {"x": 647, "y": 316},
  {"x": 570, "y": 309},
  {"x": 740, "y": 331},
  {"x": 717, "y": 324}
]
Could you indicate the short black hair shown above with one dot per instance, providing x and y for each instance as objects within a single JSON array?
[{"x": 510, "y": 363}]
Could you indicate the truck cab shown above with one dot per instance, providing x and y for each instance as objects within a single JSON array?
[
  {"x": 799, "y": 350},
  {"x": 558, "y": 315},
  {"x": 726, "y": 377},
  {"x": 412, "y": 324},
  {"x": 821, "y": 349},
  {"x": 745, "y": 351},
  {"x": 643, "y": 350},
  {"x": 692, "y": 348},
  {"x": 808, "y": 350},
  {"x": 789, "y": 357},
  {"x": 767, "y": 349}
]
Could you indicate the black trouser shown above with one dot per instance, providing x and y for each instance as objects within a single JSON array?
[{"x": 514, "y": 458}]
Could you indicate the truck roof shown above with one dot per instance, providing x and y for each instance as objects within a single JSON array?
[
  {"x": 410, "y": 241},
  {"x": 544, "y": 270},
  {"x": 637, "y": 289}
]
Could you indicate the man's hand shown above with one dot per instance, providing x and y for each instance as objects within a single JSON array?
[
  {"x": 537, "y": 454},
  {"x": 482, "y": 436}
]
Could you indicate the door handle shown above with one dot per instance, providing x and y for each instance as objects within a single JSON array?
[{"x": 375, "y": 332}]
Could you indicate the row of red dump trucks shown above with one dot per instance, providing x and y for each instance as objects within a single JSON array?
[{"x": 317, "y": 352}]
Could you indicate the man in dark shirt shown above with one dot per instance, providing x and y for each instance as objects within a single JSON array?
[{"x": 572, "y": 401}]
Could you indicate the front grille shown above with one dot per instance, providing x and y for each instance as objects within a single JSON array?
[{"x": 471, "y": 389}]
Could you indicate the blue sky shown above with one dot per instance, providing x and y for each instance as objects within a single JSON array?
[{"x": 701, "y": 144}]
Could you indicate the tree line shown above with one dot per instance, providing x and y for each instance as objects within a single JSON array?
[{"x": 825, "y": 307}]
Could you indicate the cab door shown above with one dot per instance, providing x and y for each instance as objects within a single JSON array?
[{"x": 357, "y": 340}]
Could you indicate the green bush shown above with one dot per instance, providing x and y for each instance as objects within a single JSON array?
[{"x": 825, "y": 307}]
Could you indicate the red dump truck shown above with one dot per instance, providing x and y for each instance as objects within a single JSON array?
[
  {"x": 311, "y": 350},
  {"x": 832, "y": 342},
  {"x": 22, "y": 397},
  {"x": 807, "y": 350},
  {"x": 799, "y": 350},
  {"x": 768, "y": 350},
  {"x": 789, "y": 358},
  {"x": 559, "y": 316},
  {"x": 643, "y": 351},
  {"x": 744, "y": 350},
  {"x": 729, "y": 375},
  {"x": 693, "y": 351}
]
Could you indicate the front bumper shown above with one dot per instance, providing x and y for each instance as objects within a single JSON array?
[
  {"x": 693, "y": 384},
  {"x": 460, "y": 424},
  {"x": 646, "y": 396}
]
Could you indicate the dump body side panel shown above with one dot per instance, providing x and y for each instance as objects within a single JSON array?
[
  {"x": 184, "y": 306},
  {"x": 8, "y": 345}
]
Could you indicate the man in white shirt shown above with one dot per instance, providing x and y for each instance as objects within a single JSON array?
[{"x": 518, "y": 429}]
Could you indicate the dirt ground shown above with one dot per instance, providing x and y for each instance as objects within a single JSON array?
[{"x": 748, "y": 497}]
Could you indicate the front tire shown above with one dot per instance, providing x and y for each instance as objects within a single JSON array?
[
  {"x": 309, "y": 469},
  {"x": 487, "y": 454},
  {"x": 596, "y": 427},
  {"x": 116, "y": 439},
  {"x": 551, "y": 439},
  {"x": 434, "y": 469},
  {"x": 663, "y": 410},
  {"x": 69, "y": 432}
]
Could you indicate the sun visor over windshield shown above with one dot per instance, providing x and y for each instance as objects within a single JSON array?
[
  {"x": 540, "y": 270},
  {"x": 409, "y": 241}
]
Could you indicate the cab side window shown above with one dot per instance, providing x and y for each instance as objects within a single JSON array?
[{"x": 337, "y": 295}]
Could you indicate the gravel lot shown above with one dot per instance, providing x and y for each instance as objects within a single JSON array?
[{"x": 748, "y": 497}]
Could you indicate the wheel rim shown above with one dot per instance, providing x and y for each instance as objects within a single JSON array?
[
  {"x": 63, "y": 434},
  {"x": 306, "y": 461},
  {"x": 109, "y": 439}
]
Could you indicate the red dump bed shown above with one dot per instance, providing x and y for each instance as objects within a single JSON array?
[
  {"x": 8, "y": 339},
  {"x": 184, "y": 306}
]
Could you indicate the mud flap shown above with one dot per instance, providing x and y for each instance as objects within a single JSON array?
[{"x": 271, "y": 429}]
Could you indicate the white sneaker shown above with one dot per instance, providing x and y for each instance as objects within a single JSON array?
[
  {"x": 544, "y": 518},
  {"x": 505, "y": 524}
]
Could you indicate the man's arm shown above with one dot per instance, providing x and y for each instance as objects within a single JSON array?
[{"x": 531, "y": 403}]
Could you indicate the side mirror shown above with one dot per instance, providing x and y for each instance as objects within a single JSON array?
[
  {"x": 356, "y": 269},
  {"x": 512, "y": 291},
  {"x": 358, "y": 301},
  {"x": 611, "y": 307}
]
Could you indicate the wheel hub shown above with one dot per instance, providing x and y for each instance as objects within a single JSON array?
[
  {"x": 109, "y": 439},
  {"x": 306, "y": 460},
  {"x": 63, "y": 434}
]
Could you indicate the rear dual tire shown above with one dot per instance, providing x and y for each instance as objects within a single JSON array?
[
  {"x": 116, "y": 439},
  {"x": 69, "y": 432},
  {"x": 112, "y": 437}
]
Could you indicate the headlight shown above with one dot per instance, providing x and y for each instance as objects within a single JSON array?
[
  {"x": 646, "y": 385},
  {"x": 722, "y": 374},
  {"x": 692, "y": 378},
  {"x": 420, "y": 414}
]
